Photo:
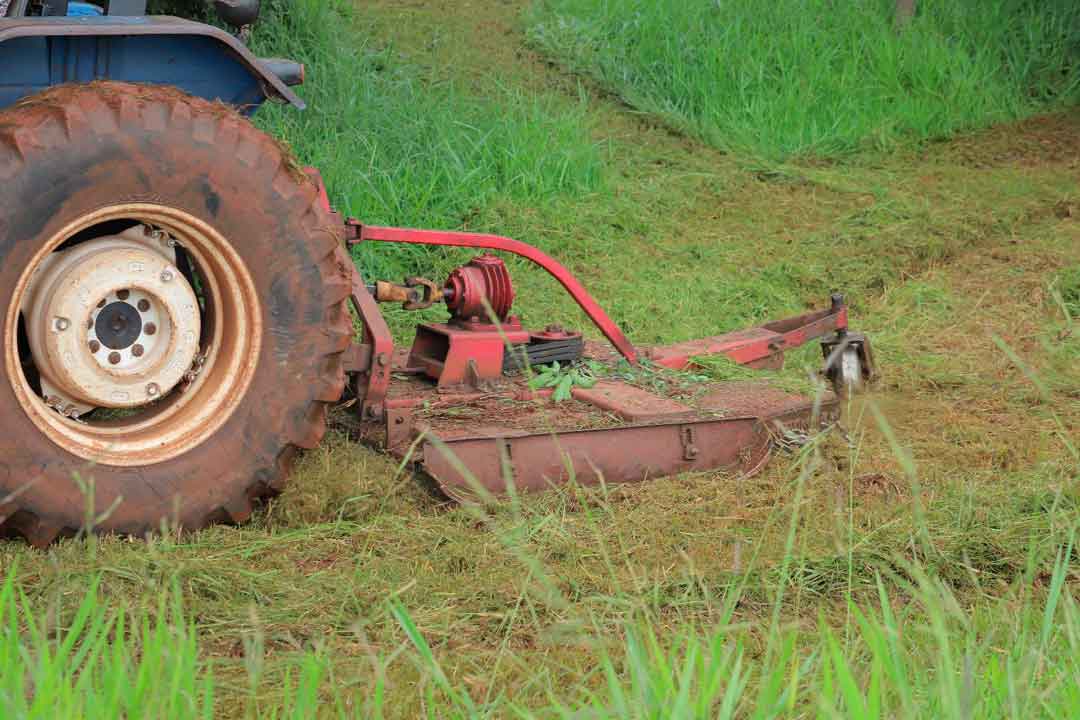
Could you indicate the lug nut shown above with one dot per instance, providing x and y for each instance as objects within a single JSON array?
[
  {"x": 114, "y": 357},
  {"x": 152, "y": 390},
  {"x": 61, "y": 324},
  {"x": 167, "y": 275},
  {"x": 102, "y": 303},
  {"x": 149, "y": 328},
  {"x": 144, "y": 305},
  {"x": 137, "y": 350},
  {"x": 123, "y": 294},
  {"x": 94, "y": 346},
  {"x": 90, "y": 323}
]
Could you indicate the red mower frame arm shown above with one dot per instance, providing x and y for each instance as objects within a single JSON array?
[{"x": 605, "y": 324}]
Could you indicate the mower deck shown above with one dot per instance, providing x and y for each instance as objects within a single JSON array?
[{"x": 476, "y": 441}]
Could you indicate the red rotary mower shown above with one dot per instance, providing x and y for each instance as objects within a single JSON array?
[{"x": 459, "y": 403}]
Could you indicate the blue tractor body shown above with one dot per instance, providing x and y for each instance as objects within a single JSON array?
[{"x": 40, "y": 52}]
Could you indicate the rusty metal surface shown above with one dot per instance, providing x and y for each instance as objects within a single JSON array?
[
  {"x": 630, "y": 402},
  {"x": 157, "y": 25},
  {"x": 373, "y": 382},
  {"x": 539, "y": 461},
  {"x": 495, "y": 242},
  {"x": 761, "y": 347},
  {"x": 616, "y": 431}
]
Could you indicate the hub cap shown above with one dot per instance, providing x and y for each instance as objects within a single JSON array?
[{"x": 112, "y": 324}]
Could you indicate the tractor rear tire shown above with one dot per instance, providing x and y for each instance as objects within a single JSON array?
[{"x": 154, "y": 157}]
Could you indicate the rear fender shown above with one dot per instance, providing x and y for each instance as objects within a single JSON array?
[{"x": 202, "y": 60}]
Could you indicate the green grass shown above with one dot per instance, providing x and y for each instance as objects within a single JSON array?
[
  {"x": 783, "y": 78},
  {"x": 917, "y": 651},
  {"x": 916, "y": 562},
  {"x": 395, "y": 150}
]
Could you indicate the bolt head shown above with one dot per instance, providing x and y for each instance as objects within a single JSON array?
[
  {"x": 167, "y": 275},
  {"x": 152, "y": 390},
  {"x": 137, "y": 350},
  {"x": 61, "y": 324},
  {"x": 114, "y": 358}
]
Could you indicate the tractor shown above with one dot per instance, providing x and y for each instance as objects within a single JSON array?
[{"x": 179, "y": 309}]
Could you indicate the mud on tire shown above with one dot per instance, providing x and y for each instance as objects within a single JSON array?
[{"x": 71, "y": 151}]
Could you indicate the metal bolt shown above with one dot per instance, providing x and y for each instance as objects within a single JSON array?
[
  {"x": 94, "y": 346},
  {"x": 149, "y": 328},
  {"x": 144, "y": 305},
  {"x": 167, "y": 275},
  {"x": 381, "y": 359},
  {"x": 152, "y": 390},
  {"x": 170, "y": 241},
  {"x": 137, "y": 350},
  {"x": 123, "y": 294},
  {"x": 61, "y": 324},
  {"x": 114, "y": 357}
]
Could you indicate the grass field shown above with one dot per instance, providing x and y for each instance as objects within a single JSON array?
[{"x": 920, "y": 564}]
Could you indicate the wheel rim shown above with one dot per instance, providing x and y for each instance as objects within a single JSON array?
[{"x": 113, "y": 322}]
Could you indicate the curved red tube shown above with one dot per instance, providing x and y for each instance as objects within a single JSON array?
[{"x": 497, "y": 242}]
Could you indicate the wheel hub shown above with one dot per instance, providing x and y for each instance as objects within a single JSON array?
[
  {"x": 111, "y": 323},
  {"x": 117, "y": 326}
]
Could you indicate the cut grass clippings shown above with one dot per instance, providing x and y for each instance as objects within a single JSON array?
[{"x": 777, "y": 79}]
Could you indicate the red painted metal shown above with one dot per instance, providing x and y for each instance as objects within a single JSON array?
[
  {"x": 456, "y": 355},
  {"x": 760, "y": 347},
  {"x": 496, "y": 242},
  {"x": 611, "y": 432},
  {"x": 483, "y": 279},
  {"x": 630, "y": 402},
  {"x": 371, "y": 385},
  {"x": 539, "y": 461}
]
